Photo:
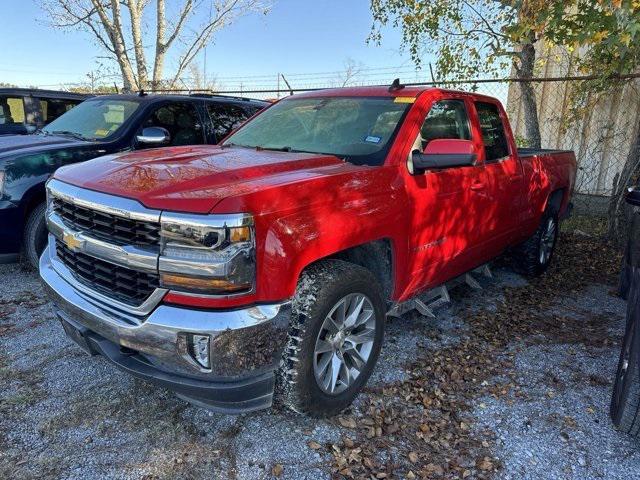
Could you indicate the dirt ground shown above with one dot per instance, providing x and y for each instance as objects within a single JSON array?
[{"x": 509, "y": 382}]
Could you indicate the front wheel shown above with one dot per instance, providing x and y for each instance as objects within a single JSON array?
[
  {"x": 35, "y": 236},
  {"x": 335, "y": 338}
]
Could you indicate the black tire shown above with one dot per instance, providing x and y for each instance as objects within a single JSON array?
[
  {"x": 528, "y": 255},
  {"x": 625, "y": 399},
  {"x": 35, "y": 236},
  {"x": 321, "y": 288}
]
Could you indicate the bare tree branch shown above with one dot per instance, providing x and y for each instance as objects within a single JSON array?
[{"x": 118, "y": 27}]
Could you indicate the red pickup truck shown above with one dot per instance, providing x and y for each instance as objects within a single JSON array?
[{"x": 265, "y": 267}]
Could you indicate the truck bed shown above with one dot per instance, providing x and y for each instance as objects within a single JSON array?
[{"x": 531, "y": 152}]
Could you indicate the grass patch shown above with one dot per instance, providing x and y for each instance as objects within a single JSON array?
[{"x": 591, "y": 225}]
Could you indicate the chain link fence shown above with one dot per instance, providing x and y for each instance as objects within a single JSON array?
[{"x": 604, "y": 136}]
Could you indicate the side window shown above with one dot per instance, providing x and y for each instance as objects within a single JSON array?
[
  {"x": 11, "y": 110},
  {"x": 52, "y": 108},
  {"x": 225, "y": 118},
  {"x": 447, "y": 119},
  {"x": 181, "y": 120},
  {"x": 493, "y": 136}
]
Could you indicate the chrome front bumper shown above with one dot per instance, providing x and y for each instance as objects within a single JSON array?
[{"x": 245, "y": 343}]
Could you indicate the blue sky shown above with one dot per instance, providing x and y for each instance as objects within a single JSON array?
[{"x": 296, "y": 37}]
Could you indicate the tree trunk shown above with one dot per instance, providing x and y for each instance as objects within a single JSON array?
[
  {"x": 619, "y": 215},
  {"x": 526, "y": 70},
  {"x": 158, "y": 63},
  {"x": 135, "y": 11}
]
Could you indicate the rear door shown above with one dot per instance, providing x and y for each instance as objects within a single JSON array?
[{"x": 504, "y": 176}]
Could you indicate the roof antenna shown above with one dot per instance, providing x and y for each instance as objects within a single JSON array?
[
  {"x": 396, "y": 85},
  {"x": 142, "y": 93},
  {"x": 288, "y": 86}
]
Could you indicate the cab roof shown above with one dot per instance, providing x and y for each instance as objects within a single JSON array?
[
  {"x": 151, "y": 98},
  {"x": 378, "y": 91}
]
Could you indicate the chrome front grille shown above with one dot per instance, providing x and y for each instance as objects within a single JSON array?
[
  {"x": 123, "y": 284},
  {"x": 106, "y": 226},
  {"x": 106, "y": 247}
]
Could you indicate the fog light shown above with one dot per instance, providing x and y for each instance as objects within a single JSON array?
[{"x": 200, "y": 349}]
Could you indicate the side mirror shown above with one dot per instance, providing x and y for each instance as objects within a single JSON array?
[
  {"x": 154, "y": 136},
  {"x": 633, "y": 196},
  {"x": 444, "y": 153}
]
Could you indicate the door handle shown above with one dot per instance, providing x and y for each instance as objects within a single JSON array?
[{"x": 477, "y": 186}]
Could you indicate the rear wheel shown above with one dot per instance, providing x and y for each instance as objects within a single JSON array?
[
  {"x": 35, "y": 236},
  {"x": 335, "y": 338},
  {"x": 534, "y": 255}
]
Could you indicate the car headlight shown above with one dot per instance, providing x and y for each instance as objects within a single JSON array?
[{"x": 207, "y": 254}]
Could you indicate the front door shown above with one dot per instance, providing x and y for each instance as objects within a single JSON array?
[{"x": 447, "y": 204}]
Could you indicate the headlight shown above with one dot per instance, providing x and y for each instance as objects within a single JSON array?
[{"x": 207, "y": 254}]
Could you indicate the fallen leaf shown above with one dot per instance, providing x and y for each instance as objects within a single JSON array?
[{"x": 347, "y": 422}]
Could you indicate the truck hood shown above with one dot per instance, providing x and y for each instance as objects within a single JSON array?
[
  {"x": 11, "y": 145},
  {"x": 191, "y": 179}
]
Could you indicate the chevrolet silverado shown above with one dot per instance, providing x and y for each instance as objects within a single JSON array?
[{"x": 263, "y": 268}]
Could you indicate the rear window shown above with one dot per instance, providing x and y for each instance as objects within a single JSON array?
[
  {"x": 493, "y": 135},
  {"x": 226, "y": 118},
  {"x": 11, "y": 110}
]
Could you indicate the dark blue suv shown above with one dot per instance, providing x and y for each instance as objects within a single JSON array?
[{"x": 99, "y": 126}]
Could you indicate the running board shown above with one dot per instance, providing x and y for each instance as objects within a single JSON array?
[{"x": 425, "y": 303}]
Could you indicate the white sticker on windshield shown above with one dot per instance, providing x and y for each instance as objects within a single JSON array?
[{"x": 372, "y": 139}]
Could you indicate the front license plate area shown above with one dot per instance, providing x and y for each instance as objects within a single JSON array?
[{"x": 77, "y": 334}]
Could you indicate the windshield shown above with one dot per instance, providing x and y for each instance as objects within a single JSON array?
[
  {"x": 93, "y": 119},
  {"x": 358, "y": 129}
]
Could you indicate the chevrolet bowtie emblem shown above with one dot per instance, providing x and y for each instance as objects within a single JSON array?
[{"x": 71, "y": 241}]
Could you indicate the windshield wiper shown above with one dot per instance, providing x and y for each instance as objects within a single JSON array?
[
  {"x": 274, "y": 149},
  {"x": 69, "y": 133},
  {"x": 228, "y": 145},
  {"x": 283, "y": 149}
]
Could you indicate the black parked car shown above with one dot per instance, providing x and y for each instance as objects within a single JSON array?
[
  {"x": 25, "y": 110},
  {"x": 99, "y": 126},
  {"x": 625, "y": 401}
]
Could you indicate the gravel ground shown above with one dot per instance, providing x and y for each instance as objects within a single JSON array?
[{"x": 66, "y": 415}]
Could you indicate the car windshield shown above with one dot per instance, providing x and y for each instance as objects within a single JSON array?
[
  {"x": 358, "y": 129},
  {"x": 93, "y": 119}
]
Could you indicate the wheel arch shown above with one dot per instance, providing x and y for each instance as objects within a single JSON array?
[
  {"x": 556, "y": 200},
  {"x": 376, "y": 256}
]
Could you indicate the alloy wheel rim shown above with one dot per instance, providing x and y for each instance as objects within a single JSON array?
[
  {"x": 547, "y": 241},
  {"x": 624, "y": 364},
  {"x": 344, "y": 343}
]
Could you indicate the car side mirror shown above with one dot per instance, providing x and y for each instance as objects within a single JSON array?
[
  {"x": 633, "y": 196},
  {"x": 154, "y": 136},
  {"x": 444, "y": 153}
]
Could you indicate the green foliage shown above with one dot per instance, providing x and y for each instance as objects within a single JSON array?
[
  {"x": 607, "y": 32},
  {"x": 609, "y": 29},
  {"x": 467, "y": 38}
]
